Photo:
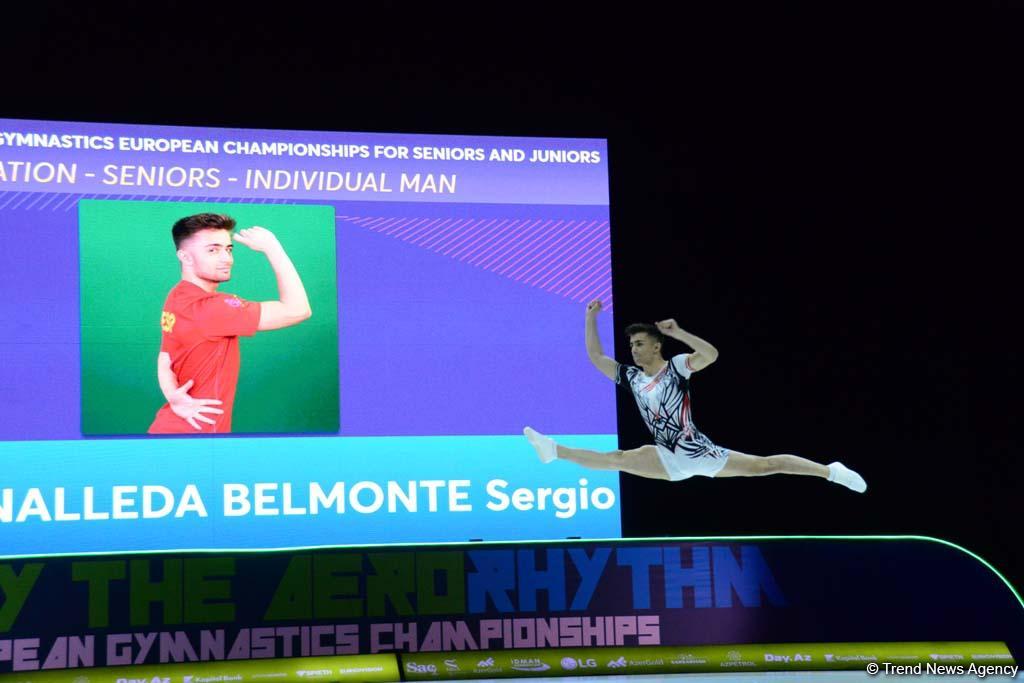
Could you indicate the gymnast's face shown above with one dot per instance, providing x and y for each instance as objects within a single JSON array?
[
  {"x": 645, "y": 349},
  {"x": 209, "y": 255}
]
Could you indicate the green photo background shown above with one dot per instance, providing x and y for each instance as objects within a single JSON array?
[{"x": 289, "y": 377}]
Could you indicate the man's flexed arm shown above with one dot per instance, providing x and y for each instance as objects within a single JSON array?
[
  {"x": 704, "y": 353},
  {"x": 293, "y": 306},
  {"x": 606, "y": 365}
]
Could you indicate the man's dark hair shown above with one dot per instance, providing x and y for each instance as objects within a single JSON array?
[
  {"x": 645, "y": 328},
  {"x": 190, "y": 225}
]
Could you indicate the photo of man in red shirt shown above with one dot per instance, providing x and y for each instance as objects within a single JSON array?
[{"x": 199, "y": 351}]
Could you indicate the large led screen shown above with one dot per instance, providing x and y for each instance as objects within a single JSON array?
[{"x": 233, "y": 338}]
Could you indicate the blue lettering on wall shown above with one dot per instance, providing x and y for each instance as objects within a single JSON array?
[
  {"x": 590, "y": 569},
  {"x": 495, "y": 576},
  {"x": 533, "y": 580},
  {"x": 696, "y": 576},
  {"x": 748, "y": 580},
  {"x": 640, "y": 560}
]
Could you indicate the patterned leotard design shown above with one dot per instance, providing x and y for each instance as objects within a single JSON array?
[{"x": 664, "y": 402}]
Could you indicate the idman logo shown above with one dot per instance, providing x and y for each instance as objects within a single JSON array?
[
  {"x": 619, "y": 663},
  {"x": 414, "y": 668},
  {"x": 486, "y": 663},
  {"x": 233, "y": 302},
  {"x": 531, "y": 664}
]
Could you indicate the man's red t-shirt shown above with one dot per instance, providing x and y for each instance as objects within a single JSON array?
[{"x": 200, "y": 333}]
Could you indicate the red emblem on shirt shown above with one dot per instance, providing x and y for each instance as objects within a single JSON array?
[{"x": 233, "y": 301}]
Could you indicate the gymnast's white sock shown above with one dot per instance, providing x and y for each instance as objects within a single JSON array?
[
  {"x": 840, "y": 474},
  {"x": 546, "y": 448}
]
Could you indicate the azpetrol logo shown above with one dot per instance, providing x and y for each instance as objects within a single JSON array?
[{"x": 735, "y": 659}]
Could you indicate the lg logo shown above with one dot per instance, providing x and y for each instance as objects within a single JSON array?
[{"x": 570, "y": 663}]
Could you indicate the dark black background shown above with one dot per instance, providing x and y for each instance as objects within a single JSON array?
[{"x": 831, "y": 197}]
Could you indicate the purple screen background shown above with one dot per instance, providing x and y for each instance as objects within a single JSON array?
[{"x": 434, "y": 339}]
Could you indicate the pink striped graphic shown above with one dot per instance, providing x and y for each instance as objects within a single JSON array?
[{"x": 565, "y": 257}]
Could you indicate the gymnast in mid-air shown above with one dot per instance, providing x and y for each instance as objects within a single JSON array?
[{"x": 662, "y": 391}]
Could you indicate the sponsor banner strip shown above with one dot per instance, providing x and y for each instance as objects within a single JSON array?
[
  {"x": 369, "y": 668},
  {"x": 707, "y": 659}
]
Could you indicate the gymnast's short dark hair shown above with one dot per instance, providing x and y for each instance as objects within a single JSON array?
[
  {"x": 190, "y": 225},
  {"x": 645, "y": 328}
]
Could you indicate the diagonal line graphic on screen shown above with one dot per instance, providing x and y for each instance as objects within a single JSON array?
[
  {"x": 10, "y": 199},
  {"x": 430, "y": 232},
  {"x": 580, "y": 255},
  {"x": 562, "y": 256},
  {"x": 35, "y": 200},
  {"x": 486, "y": 233},
  {"x": 582, "y": 282},
  {"x": 546, "y": 253},
  {"x": 532, "y": 252},
  {"x": 390, "y": 223},
  {"x": 549, "y": 252},
  {"x": 423, "y": 225},
  {"x": 375, "y": 223},
  {"x": 503, "y": 232},
  {"x": 516, "y": 248},
  {"x": 49, "y": 199},
  {"x": 516, "y": 229},
  {"x": 545, "y": 270},
  {"x": 465, "y": 231},
  {"x": 412, "y": 227},
  {"x": 452, "y": 232},
  {"x": 473, "y": 236},
  {"x": 583, "y": 274}
]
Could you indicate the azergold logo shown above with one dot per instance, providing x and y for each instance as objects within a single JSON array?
[{"x": 166, "y": 321}]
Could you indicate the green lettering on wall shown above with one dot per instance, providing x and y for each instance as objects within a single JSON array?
[
  {"x": 336, "y": 586},
  {"x": 293, "y": 598},
  {"x": 98, "y": 576},
  {"x": 448, "y": 570},
  {"x": 15, "y": 588},
  {"x": 394, "y": 578},
  {"x": 143, "y": 591},
  {"x": 208, "y": 589}
]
